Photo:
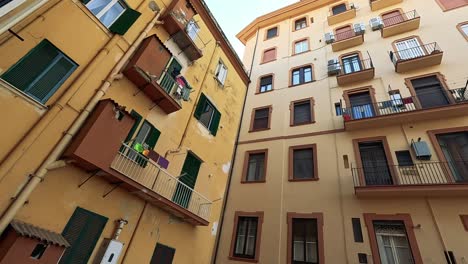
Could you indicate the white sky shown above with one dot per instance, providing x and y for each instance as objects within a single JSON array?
[{"x": 234, "y": 15}]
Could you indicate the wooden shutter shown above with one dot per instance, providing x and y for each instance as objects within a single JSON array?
[
  {"x": 392, "y": 18},
  {"x": 137, "y": 118},
  {"x": 153, "y": 137},
  {"x": 215, "y": 122},
  {"x": 82, "y": 232},
  {"x": 345, "y": 32},
  {"x": 190, "y": 168},
  {"x": 162, "y": 254},
  {"x": 125, "y": 21},
  {"x": 200, "y": 106},
  {"x": 302, "y": 113},
  {"x": 269, "y": 55},
  {"x": 357, "y": 230}
]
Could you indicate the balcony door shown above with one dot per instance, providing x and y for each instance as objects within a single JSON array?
[
  {"x": 375, "y": 166},
  {"x": 168, "y": 79},
  {"x": 187, "y": 180},
  {"x": 430, "y": 92},
  {"x": 392, "y": 18},
  {"x": 409, "y": 49},
  {"x": 361, "y": 105},
  {"x": 351, "y": 63},
  {"x": 455, "y": 149}
]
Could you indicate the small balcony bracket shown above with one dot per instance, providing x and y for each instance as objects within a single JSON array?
[
  {"x": 116, "y": 185},
  {"x": 94, "y": 173}
]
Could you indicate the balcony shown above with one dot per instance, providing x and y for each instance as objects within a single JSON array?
[
  {"x": 404, "y": 110},
  {"x": 335, "y": 19},
  {"x": 354, "y": 71},
  {"x": 348, "y": 39},
  {"x": 428, "y": 179},
  {"x": 418, "y": 57},
  {"x": 379, "y": 4},
  {"x": 400, "y": 23},
  {"x": 98, "y": 149}
]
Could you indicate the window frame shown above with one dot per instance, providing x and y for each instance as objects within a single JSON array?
[
  {"x": 303, "y": 40},
  {"x": 212, "y": 127},
  {"x": 10, "y": 6},
  {"x": 312, "y": 112},
  {"x": 339, "y": 4},
  {"x": 460, "y": 28},
  {"x": 221, "y": 66},
  {"x": 319, "y": 218},
  {"x": 315, "y": 176},
  {"x": 259, "y": 83},
  {"x": 252, "y": 118},
  {"x": 305, "y": 18},
  {"x": 263, "y": 61},
  {"x": 245, "y": 169},
  {"x": 301, "y": 77},
  {"x": 268, "y": 29},
  {"x": 369, "y": 219},
  {"x": 106, "y": 9},
  {"x": 259, "y": 215}
]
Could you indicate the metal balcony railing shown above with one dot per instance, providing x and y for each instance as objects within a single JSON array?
[
  {"x": 177, "y": 90},
  {"x": 399, "y": 18},
  {"x": 146, "y": 172},
  {"x": 427, "y": 173},
  {"x": 414, "y": 52},
  {"x": 351, "y": 66},
  {"x": 402, "y": 105},
  {"x": 345, "y": 35}
]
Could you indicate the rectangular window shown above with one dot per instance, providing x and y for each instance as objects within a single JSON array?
[
  {"x": 304, "y": 241},
  {"x": 301, "y": 75},
  {"x": 357, "y": 230},
  {"x": 41, "y": 72},
  {"x": 303, "y": 163},
  {"x": 351, "y": 63},
  {"x": 300, "y": 23},
  {"x": 375, "y": 165},
  {"x": 162, "y": 254},
  {"x": 261, "y": 119},
  {"x": 207, "y": 114},
  {"x": 409, "y": 49},
  {"x": 392, "y": 242},
  {"x": 269, "y": 55},
  {"x": 338, "y": 109},
  {"x": 463, "y": 28},
  {"x": 255, "y": 169},
  {"x": 272, "y": 32},
  {"x": 301, "y": 46},
  {"x": 266, "y": 84},
  {"x": 339, "y": 9},
  {"x": 451, "y": 4},
  {"x": 404, "y": 158},
  {"x": 192, "y": 30},
  {"x": 221, "y": 72},
  {"x": 302, "y": 112},
  {"x": 82, "y": 232},
  {"x": 246, "y": 237}
]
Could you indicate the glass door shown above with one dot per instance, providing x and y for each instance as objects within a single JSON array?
[
  {"x": 351, "y": 64},
  {"x": 455, "y": 149},
  {"x": 361, "y": 105},
  {"x": 374, "y": 163}
]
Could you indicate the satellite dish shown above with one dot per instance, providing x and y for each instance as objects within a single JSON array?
[{"x": 153, "y": 6}]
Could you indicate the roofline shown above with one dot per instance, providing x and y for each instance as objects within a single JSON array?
[
  {"x": 210, "y": 21},
  {"x": 281, "y": 14}
]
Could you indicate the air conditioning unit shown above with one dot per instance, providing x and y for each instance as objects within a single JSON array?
[
  {"x": 376, "y": 23},
  {"x": 421, "y": 150},
  {"x": 334, "y": 67},
  {"x": 359, "y": 28},
  {"x": 329, "y": 38}
]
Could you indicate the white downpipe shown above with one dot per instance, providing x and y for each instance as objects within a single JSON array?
[
  {"x": 40, "y": 173},
  {"x": 18, "y": 18}
]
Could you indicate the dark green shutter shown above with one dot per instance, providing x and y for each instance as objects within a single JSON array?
[
  {"x": 82, "y": 232},
  {"x": 137, "y": 118},
  {"x": 189, "y": 178},
  {"x": 200, "y": 106},
  {"x": 125, "y": 21},
  {"x": 215, "y": 122},
  {"x": 162, "y": 254},
  {"x": 152, "y": 137},
  {"x": 85, "y": 1}
]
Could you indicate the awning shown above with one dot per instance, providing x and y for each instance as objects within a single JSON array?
[{"x": 28, "y": 230}]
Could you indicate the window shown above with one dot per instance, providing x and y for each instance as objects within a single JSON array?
[
  {"x": 409, "y": 49},
  {"x": 338, "y": 9},
  {"x": 246, "y": 235},
  {"x": 41, "y": 72},
  {"x": 271, "y": 33},
  {"x": 404, "y": 158},
  {"x": 343, "y": 33},
  {"x": 338, "y": 109},
  {"x": 301, "y": 46},
  {"x": 301, "y": 75},
  {"x": 357, "y": 230},
  {"x": 301, "y": 112},
  {"x": 451, "y": 4},
  {"x": 266, "y": 84},
  {"x": 303, "y": 163},
  {"x": 392, "y": 242},
  {"x": 269, "y": 55},
  {"x": 38, "y": 251},
  {"x": 221, "y": 72},
  {"x": 113, "y": 14},
  {"x": 255, "y": 166},
  {"x": 260, "y": 119},
  {"x": 193, "y": 29},
  {"x": 395, "y": 98},
  {"x": 305, "y": 238},
  {"x": 82, "y": 232},
  {"x": 300, "y": 23},
  {"x": 351, "y": 63},
  {"x": 207, "y": 114},
  {"x": 463, "y": 28},
  {"x": 8, "y": 5},
  {"x": 162, "y": 254}
]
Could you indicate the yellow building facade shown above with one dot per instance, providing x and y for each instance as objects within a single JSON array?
[
  {"x": 121, "y": 126},
  {"x": 354, "y": 138}
]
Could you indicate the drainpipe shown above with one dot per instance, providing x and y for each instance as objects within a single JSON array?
[
  {"x": 41, "y": 172},
  {"x": 229, "y": 180}
]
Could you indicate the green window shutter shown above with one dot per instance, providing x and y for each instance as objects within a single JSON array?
[
  {"x": 40, "y": 72},
  {"x": 152, "y": 137},
  {"x": 85, "y": 1},
  {"x": 190, "y": 169},
  {"x": 137, "y": 118},
  {"x": 215, "y": 122},
  {"x": 82, "y": 232},
  {"x": 125, "y": 21},
  {"x": 200, "y": 106}
]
